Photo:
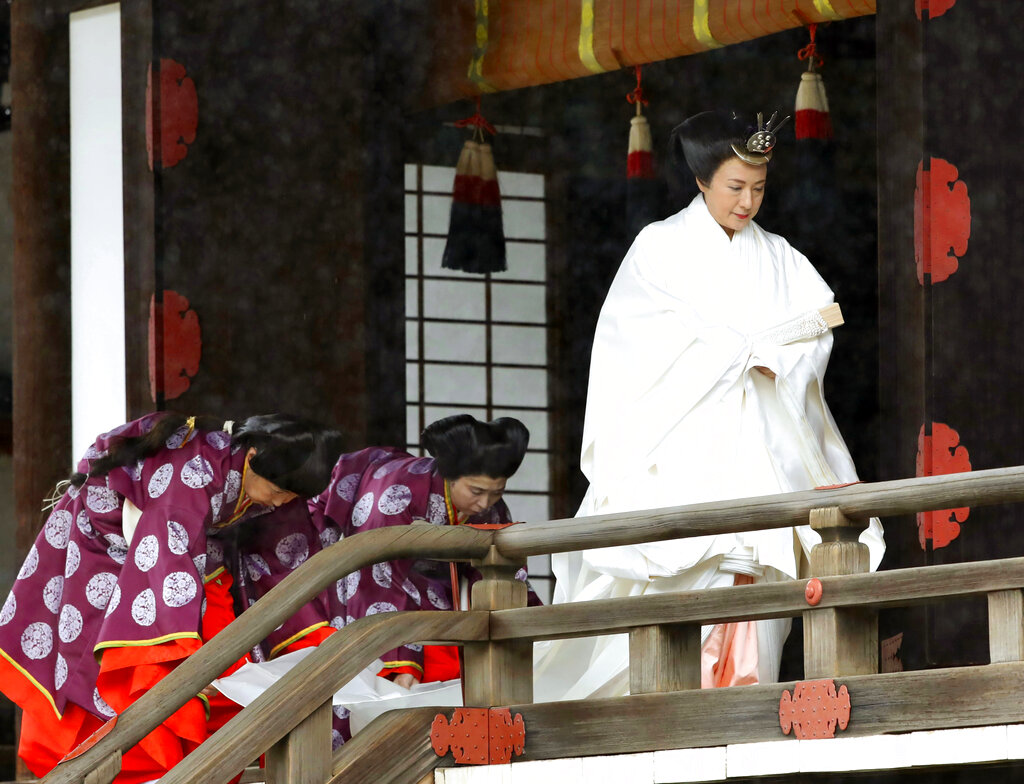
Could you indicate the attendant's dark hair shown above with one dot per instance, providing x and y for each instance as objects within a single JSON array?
[
  {"x": 705, "y": 141},
  {"x": 295, "y": 454},
  {"x": 465, "y": 446}
]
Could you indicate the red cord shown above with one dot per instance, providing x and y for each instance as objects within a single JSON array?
[
  {"x": 637, "y": 95},
  {"x": 810, "y": 52},
  {"x": 477, "y": 121}
]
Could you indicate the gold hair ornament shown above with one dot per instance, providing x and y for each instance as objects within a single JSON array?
[{"x": 761, "y": 143}]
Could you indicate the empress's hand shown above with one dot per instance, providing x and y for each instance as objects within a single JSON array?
[{"x": 764, "y": 371}]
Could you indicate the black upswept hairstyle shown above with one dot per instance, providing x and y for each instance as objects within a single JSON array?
[
  {"x": 705, "y": 141},
  {"x": 464, "y": 446},
  {"x": 295, "y": 454}
]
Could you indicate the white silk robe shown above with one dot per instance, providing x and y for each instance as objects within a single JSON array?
[{"x": 677, "y": 414}]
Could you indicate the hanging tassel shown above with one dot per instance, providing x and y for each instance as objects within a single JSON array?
[
  {"x": 639, "y": 161},
  {"x": 476, "y": 236},
  {"x": 643, "y": 189},
  {"x": 812, "y": 116}
]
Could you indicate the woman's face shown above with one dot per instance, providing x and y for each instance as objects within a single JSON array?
[
  {"x": 263, "y": 491},
  {"x": 734, "y": 194},
  {"x": 475, "y": 494}
]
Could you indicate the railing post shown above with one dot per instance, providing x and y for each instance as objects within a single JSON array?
[
  {"x": 303, "y": 756},
  {"x": 1006, "y": 626},
  {"x": 664, "y": 658},
  {"x": 498, "y": 673},
  {"x": 839, "y": 641}
]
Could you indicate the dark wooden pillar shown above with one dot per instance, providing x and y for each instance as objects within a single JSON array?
[
  {"x": 41, "y": 276},
  {"x": 139, "y": 201},
  {"x": 950, "y": 281},
  {"x": 42, "y": 254}
]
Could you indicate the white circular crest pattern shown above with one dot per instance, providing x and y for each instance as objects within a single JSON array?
[
  {"x": 179, "y": 589},
  {"x": 346, "y": 487},
  {"x": 115, "y": 600},
  {"x": 74, "y": 490},
  {"x": 101, "y": 705},
  {"x": 160, "y": 481},
  {"x": 381, "y": 607},
  {"x": 361, "y": 511},
  {"x": 214, "y": 552},
  {"x": 521, "y": 574},
  {"x": 330, "y": 535},
  {"x": 414, "y": 646},
  {"x": 28, "y": 568},
  {"x": 177, "y": 538},
  {"x": 382, "y": 574},
  {"x": 216, "y": 504},
  {"x": 341, "y": 711},
  {"x": 395, "y": 500},
  {"x": 37, "y": 640},
  {"x": 200, "y": 562},
  {"x": 387, "y": 468},
  {"x": 347, "y": 586},
  {"x": 117, "y": 548},
  {"x": 177, "y": 438},
  {"x": 99, "y": 589},
  {"x": 256, "y": 566},
  {"x": 337, "y": 622},
  {"x": 232, "y": 486},
  {"x": 60, "y": 671},
  {"x": 74, "y": 558},
  {"x": 197, "y": 472},
  {"x": 53, "y": 591},
  {"x": 440, "y": 601},
  {"x": 337, "y": 741},
  {"x": 437, "y": 511},
  {"x": 7, "y": 612},
  {"x": 101, "y": 499},
  {"x": 292, "y": 550},
  {"x": 147, "y": 552},
  {"x": 70, "y": 624},
  {"x": 134, "y": 470},
  {"x": 84, "y": 525},
  {"x": 144, "y": 608},
  {"x": 58, "y": 529},
  {"x": 422, "y": 466},
  {"x": 218, "y": 439},
  {"x": 411, "y": 591}
]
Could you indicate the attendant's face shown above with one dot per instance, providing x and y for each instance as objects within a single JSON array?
[
  {"x": 734, "y": 194},
  {"x": 475, "y": 494},
  {"x": 263, "y": 491}
]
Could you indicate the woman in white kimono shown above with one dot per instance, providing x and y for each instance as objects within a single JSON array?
[{"x": 706, "y": 384}]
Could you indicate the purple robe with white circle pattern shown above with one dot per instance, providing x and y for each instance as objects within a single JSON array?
[{"x": 83, "y": 588}]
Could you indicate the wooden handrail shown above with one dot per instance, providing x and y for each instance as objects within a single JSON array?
[
  {"x": 859, "y": 501},
  {"x": 311, "y": 683},
  {"x": 409, "y": 756},
  {"x": 280, "y": 603},
  {"x": 893, "y": 588}
]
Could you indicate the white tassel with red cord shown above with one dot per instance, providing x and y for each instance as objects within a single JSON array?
[{"x": 812, "y": 117}]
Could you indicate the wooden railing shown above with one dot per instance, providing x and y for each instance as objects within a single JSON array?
[{"x": 291, "y": 720}]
